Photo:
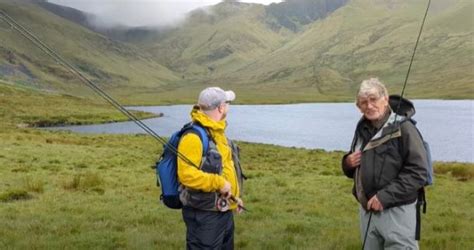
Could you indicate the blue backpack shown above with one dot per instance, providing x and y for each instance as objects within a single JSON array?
[{"x": 167, "y": 165}]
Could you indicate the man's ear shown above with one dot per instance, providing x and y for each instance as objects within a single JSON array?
[
  {"x": 385, "y": 98},
  {"x": 220, "y": 108}
]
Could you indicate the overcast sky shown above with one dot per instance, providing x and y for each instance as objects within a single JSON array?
[{"x": 142, "y": 12}]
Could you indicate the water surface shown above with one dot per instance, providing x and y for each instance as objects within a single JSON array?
[{"x": 446, "y": 125}]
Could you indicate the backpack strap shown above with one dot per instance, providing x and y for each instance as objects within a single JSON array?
[
  {"x": 420, "y": 202},
  {"x": 203, "y": 135}
]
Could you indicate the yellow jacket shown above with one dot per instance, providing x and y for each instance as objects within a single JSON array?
[{"x": 191, "y": 146}]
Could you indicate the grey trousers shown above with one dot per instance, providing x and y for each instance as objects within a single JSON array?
[{"x": 393, "y": 228}]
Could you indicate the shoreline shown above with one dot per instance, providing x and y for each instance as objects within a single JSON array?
[
  {"x": 285, "y": 103},
  {"x": 321, "y": 150},
  {"x": 53, "y": 124}
]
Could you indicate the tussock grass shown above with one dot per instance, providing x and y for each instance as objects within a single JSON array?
[
  {"x": 86, "y": 181},
  {"x": 34, "y": 184},
  {"x": 459, "y": 171},
  {"x": 15, "y": 195}
]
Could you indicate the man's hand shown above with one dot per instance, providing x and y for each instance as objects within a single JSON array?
[
  {"x": 240, "y": 205},
  {"x": 225, "y": 191},
  {"x": 353, "y": 160},
  {"x": 374, "y": 204}
]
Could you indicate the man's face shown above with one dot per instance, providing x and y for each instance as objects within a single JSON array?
[
  {"x": 224, "y": 109},
  {"x": 372, "y": 106}
]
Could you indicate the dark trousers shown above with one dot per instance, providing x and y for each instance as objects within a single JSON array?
[{"x": 208, "y": 229}]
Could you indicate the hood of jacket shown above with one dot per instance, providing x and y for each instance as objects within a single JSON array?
[
  {"x": 407, "y": 109},
  {"x": 215, "y": 126}
]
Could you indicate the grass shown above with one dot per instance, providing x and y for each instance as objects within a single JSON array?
[
  {"x": 99, "y": 192},
  {"x": 15, "y": 195},
  {"x": 459, "y": 171},
  {"x": 24, "y": 106},
  {"x": 65, "y": 190}
]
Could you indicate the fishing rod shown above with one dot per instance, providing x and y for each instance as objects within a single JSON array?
[
  {"x": 413, "y": 55},
  {"x": 50, "y": 52},
  {"x": 399, "y": 103}
]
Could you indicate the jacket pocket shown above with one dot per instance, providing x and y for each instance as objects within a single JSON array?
[{"x": 387, "y": 163}]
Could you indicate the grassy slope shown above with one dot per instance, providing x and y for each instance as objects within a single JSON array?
[
  {"x": 334, "y": 54},
  {"x": 64, "y": 190},
  {"x": 22, "y": 106},
  {"x": 330, "y": 57},
  {"x": 113, "y": 65},
  {"x": 325, "y": 62},
  {"x": 211, "y": 39}
]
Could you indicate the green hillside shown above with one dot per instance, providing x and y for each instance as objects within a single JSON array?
[
  {"x": 308, "y": 50},
  {"x": 115, "y": 66},
  {"x": 338, "y": 52},
  {"x": 218, "y": 40},
  {"x": 22, "y": 106},
  {"x": 222, "y": 38},
  {"x": 237, "y": 45}
]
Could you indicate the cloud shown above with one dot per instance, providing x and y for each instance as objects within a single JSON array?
[{"x": 141, "y": 12}]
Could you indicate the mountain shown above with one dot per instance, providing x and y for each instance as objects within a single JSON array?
[
  {"x": 337, "y": 52},
  {"x": 321, "y": 50},
  {"x": 118, "y": 67},
  {"x": 71, "y": 14},
  {"x": 219, "y": 39},
  {"x": 293, "y": 14},
  {"x": 293, "y": 51},
  {"x": 117, "y": 32}
]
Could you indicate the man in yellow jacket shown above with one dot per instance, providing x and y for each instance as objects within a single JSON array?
[{"x": 211, "y": 192}]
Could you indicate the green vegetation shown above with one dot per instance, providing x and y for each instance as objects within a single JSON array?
[
  {"x": 113, "y": 65},
  {"x": 329, "y": 57},
  {"x": 65, "y": 190},
  {"x": 309, "y": 50},
  {"x": 26, "y": 107}
]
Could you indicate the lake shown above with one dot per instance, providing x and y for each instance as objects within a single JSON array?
[{"x": 446, "y": 125}]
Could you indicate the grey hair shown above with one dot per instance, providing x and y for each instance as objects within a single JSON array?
[{"x": 372, "y": 86}]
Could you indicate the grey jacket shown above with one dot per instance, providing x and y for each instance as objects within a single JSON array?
[{"x": 393, "y": 163}]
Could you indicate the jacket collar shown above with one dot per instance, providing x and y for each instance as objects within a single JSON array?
[
  {"x": 389, "y": 130},
  {"x": 198, "y": 116}
]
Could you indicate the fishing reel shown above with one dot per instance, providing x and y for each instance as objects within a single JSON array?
[{"x": 222, "y": 204}]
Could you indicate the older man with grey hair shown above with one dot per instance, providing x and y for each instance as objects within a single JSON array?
[{"x": 387, "y": 161}]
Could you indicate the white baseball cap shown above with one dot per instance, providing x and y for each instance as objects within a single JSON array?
[{"x": 210, "y": 98}]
